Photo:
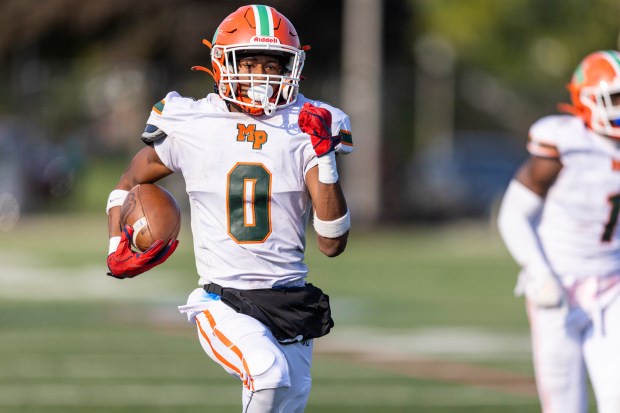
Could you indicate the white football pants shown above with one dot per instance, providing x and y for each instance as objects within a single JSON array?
[
  {"x": 276, "y": 378},
  {"x": 568, "y": 346}
]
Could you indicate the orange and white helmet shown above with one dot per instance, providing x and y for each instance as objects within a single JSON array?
[
  {"x": 256, "y": 29},
  {"x": 595, "y": 81}
]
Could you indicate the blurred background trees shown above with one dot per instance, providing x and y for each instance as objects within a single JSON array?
[{"x": 461, "y": 82}]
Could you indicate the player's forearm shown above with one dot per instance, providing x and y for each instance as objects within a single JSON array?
[
  {"x": 331, "y": 219},
  {"x": 518, "y": 215},
  {"x": 330, "y": 203},
  {"x": 145, "y": 167},
  {"x": 115, "y": 201},
  {"x": 114, "y": 219}
]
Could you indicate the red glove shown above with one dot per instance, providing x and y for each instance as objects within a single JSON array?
[
  {"x": 316, "y": 122},
  {"x": 125, "y": 263}
]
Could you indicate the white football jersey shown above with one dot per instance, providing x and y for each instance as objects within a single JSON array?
[
  {"x": 579, "y": 224},
  {"x": 245, "y": 177}
]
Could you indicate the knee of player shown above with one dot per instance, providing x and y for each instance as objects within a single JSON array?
[{"x": 268, "y": 368}]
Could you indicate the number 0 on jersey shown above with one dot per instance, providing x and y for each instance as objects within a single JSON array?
[{"x": 249, "y": 203}]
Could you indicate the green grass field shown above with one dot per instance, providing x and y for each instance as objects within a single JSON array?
[{"x": 425, "y": 322}]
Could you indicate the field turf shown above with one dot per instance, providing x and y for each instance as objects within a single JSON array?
[{"x": 425, "y": 317}]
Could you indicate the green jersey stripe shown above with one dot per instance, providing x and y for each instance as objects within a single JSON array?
[
  {"x": 347, "y": 139},
  {"x": 159, "y": 106}
]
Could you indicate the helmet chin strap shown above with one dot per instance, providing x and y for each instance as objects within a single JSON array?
[{"x": 202, "y": 68}]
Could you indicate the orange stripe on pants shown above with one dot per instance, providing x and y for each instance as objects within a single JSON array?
[{"x": 247, "y": 379}]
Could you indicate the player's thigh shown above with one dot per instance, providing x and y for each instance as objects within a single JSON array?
[
  {"x": 602, "y": 353},
  {"x": 243, "y": 346},
  {"x": 557, "y": 335},
  {"x": 292, "y": 399},
  {"x": 299, "y": 357}
]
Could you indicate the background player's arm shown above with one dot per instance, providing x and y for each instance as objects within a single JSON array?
[
  {"x": 518, "y": 218},
  {"x": 329, "y": 204},
  {"x": 145, "y": 167},
  {"x": 538, "y": 174}
]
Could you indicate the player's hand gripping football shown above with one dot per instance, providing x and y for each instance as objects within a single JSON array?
[
  {"x": 125, "y": 263},
  {"x": 316, "y": 122}
]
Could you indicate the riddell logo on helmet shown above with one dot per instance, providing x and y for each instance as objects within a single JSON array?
[{"x": 264, "y": 39}]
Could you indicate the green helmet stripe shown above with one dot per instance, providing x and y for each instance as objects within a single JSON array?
[
  {"x": 264, "y": 21},
  {"x": 579, "y": 74},
  {"x": 614, "y": 57}
]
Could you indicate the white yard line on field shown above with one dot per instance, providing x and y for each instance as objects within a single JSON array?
[{"x": 441, "y": 354}]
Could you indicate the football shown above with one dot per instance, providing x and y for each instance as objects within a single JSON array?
[{"x": 153, "y": 213}]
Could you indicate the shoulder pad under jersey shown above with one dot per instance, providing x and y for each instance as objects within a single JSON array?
[
  {"x": 551, "y": 135},
  {"x": 152, "y": 133}
]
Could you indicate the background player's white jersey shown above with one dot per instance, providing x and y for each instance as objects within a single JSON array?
[
  {"x": 245, "y": 179},
  {"x": 578, "y": 227}
]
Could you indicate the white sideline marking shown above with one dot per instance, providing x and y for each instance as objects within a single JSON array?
[
  {"x": 459, "y": 343},
  {"x": 25, "y": 283},
  {"x": 22, "y": 281}
]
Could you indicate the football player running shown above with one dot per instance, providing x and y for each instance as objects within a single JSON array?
[
  {"x": 559, "y": 220},
  {"x": 256, "y": 157}
]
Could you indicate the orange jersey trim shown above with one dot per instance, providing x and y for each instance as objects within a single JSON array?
[{"x": 542, "y": 149}]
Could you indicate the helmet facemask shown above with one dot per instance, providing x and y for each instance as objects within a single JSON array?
[
  {"x": 265, "y": 93},
  {"x": 604, "y": 104}
]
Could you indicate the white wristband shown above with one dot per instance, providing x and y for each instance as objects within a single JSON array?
[
  {"x": 332, "y": 229},
  {"x": 328, "y": 173},
  {"x": 116, "y": 198},
  {"x": 114, "y": 241}
]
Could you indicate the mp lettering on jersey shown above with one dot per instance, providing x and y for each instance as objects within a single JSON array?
[{"x": 249, "y": 133}]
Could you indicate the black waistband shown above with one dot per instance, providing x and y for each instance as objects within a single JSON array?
[{"x": 213, "y": 288}]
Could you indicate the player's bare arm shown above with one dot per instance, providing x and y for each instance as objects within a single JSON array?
[
  {"x": 520, "y": 210},
  {"x": 331, "y": 216},
  {"x": 329, "y": 204},
  {"x": 538, "y": 174},
  {"x": 123, "y": 262},
  {"x": 145, "y": 167}
]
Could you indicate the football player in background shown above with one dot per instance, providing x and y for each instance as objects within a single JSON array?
[
  {"x": 559, "y": 220},
  {"x": 256, "y": 157}
]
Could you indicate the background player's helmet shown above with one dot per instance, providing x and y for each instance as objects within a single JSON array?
[
  {"x": 250, "y": 30},
  {"x": 595, "y": 80}
]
